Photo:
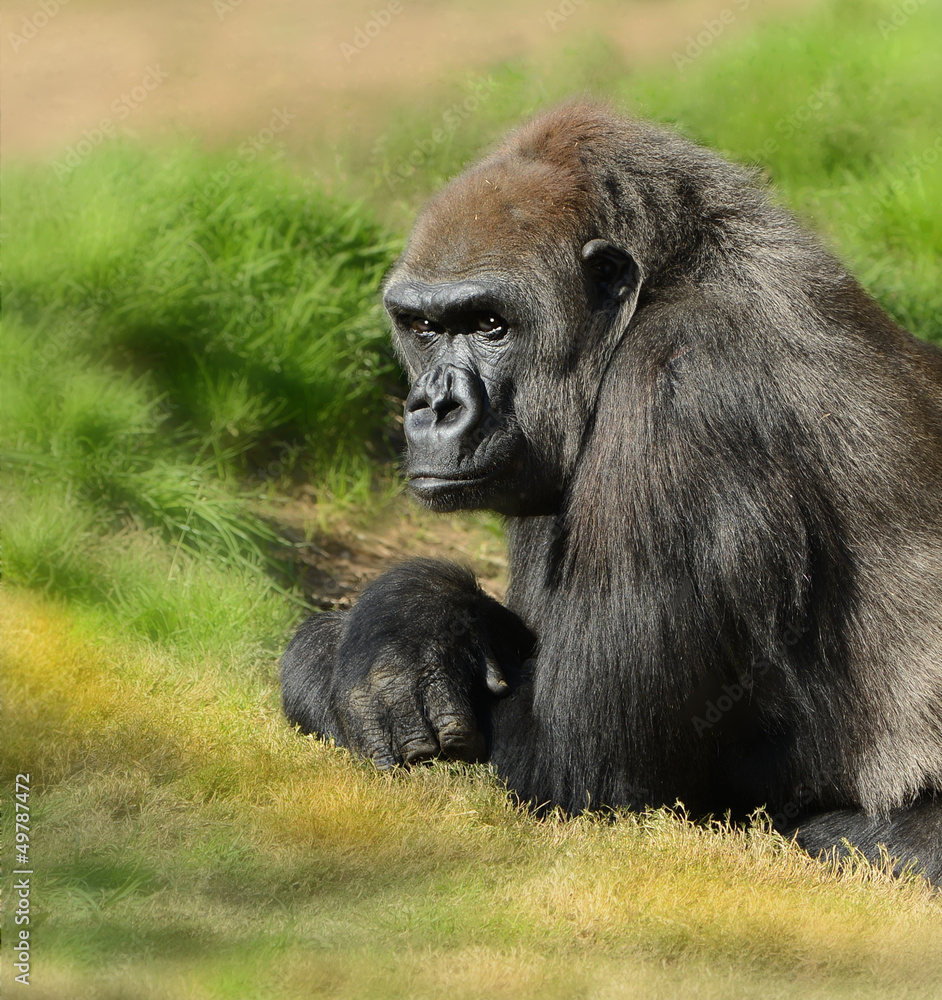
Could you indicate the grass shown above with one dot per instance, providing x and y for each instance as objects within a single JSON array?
[
  {"x": 250, "y": 305},
  {"x": 183, "y": 338},
  {"x": 188, "y": 843},
  {"x": 174, "y": 351}
]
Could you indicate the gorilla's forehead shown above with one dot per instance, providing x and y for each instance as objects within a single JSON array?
[
  {"x": 497, "y": 216},
  {"x": 539, "y": 193}
]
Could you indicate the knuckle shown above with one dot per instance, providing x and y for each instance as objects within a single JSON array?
[
  {"x": 451, "y": 726},
  {"x": 417, "y": 749}
]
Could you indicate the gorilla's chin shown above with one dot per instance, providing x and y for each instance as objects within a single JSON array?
[{"x": 445, "y": 493}]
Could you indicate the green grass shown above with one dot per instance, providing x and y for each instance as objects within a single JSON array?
[
  {"x": 176, "y": 348},
  {"x": 173, "y": 350},
  {"x": 250, "y": 304}
]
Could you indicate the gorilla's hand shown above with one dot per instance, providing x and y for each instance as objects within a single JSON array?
[{"x": 407, "y": 674}]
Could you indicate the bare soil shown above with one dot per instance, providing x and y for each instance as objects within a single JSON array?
[
  {"x": 224, "y": 66},
  {"x": 339, "y": 555}
]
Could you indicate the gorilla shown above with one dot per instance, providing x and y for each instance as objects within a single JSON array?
[{"x": 720, "y": 464}]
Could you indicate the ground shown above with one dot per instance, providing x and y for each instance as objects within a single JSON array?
[
  {"x": 340, "y": 555},
  {"x": 224, "y": 65}
]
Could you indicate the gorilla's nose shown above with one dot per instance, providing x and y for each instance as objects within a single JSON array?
[{"x": 445, "y": 406}]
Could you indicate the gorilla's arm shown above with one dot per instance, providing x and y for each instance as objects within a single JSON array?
[
  {"x": 410, "y": 672},
  {"x": 307, "y": 669}
]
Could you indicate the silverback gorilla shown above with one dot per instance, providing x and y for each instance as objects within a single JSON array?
[{"x": 721, "y": 468}]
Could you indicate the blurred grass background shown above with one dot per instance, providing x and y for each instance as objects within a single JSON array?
[{"x": 188, "y": 332}]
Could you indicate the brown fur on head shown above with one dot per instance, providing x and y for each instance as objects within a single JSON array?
[{"x": 537, "y": 190}]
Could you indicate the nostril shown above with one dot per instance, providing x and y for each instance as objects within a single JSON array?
[
  {"x": 444, "y": 406},
  {"x": 441, "y": 406},
  {"x": 446, "y": 403},
  {"x": 415, "y": 403}
]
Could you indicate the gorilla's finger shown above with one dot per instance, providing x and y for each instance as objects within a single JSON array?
[
  {"x": 418, "y": 751},
  {"x": 470, "y": 747},
  {"x": 494, "y": 676},
  {"x": 414, "y": 740},
  {"x": 365, "y": 728},
  {"x": 375, "y": 744},
  {"x": 386, "y": 759},
  {"x": 452, "y": 720}
]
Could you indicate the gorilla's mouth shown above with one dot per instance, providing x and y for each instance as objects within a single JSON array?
[
  {"x": 443, "y": 491},
  {"x": 432, "y": 482}
]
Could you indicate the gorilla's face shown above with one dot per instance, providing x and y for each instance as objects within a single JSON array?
[
  {"x": 463, "y": 342},
  {"x": 499, "y": 364}
]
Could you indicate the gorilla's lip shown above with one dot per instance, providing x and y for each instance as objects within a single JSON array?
[
  {"x": 441, "y": 484},
  {"x": 435, "y": 481}
]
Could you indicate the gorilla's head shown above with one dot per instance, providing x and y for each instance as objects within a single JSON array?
[{"x": 507, "y": 305}]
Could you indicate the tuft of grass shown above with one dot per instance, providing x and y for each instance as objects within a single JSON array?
[
  {"x": 246, "y": 294},
  {"x": 180, "y": 335}
]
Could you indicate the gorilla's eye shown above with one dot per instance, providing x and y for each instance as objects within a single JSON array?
[
  {"x": 492, "y": 326},
  {"x": 422, "y": 327}
]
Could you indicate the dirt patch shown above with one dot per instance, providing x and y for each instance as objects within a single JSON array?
[
  {"x": 337, "y": 557},
  {"x": 221, "y": 68}
]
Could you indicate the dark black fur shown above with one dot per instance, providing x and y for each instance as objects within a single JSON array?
[{"x": 722, "y": 468}]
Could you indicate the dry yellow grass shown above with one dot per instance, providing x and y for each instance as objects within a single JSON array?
[{"x": 188, "y": 844}]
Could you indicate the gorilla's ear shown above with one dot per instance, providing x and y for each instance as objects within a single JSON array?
[{"x": 614, "y": 274}]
